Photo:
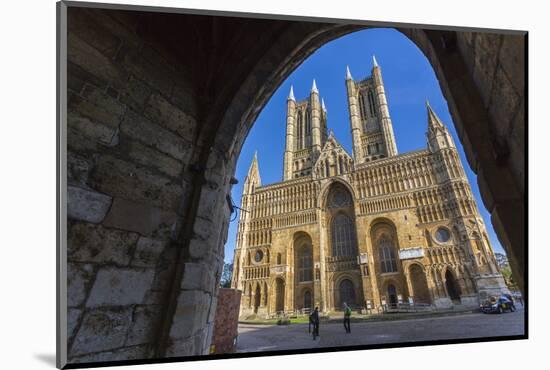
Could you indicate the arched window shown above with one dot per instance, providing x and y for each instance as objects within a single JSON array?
[
  {"x": 300, "y": 131},
  {"x": 279, "y": 258},
  {"x": 387, "y": 256},
  {"x": 362, "y": 106},
  {"x": 343, "y": 236},
  {"x": 372, "y": 106},
  {"x": 305, "y": 264}
]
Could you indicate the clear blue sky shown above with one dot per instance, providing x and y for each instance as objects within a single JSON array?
[{"x": 408, "y": 78}]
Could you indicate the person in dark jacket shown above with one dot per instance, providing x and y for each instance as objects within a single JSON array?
[
  {"x": 347, "y": 316},
  {"x": 314, "y": 320}
]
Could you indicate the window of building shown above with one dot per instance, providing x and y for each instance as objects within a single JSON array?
[
  {"x": 305, "y": 264},
  {"x": 258, "y": 256},
  {"x": 343, "y": 236},
  {"x": 372, "y": 106},
  {"x": 387, "y": 255},
  {"x": 279, "y": 258},
  {"x": 362, "y": 107},
  {"x": 442, "y": 235}
]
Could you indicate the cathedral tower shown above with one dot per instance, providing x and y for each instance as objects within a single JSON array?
[
  {"x": 306, "y": 133},
  {"x": 371, "y": 126}
]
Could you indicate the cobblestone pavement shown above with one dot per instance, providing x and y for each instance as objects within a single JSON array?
[{"x": 254, "y": 338}]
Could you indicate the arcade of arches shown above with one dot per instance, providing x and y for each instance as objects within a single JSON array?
[{"x": 154, "y": 128}]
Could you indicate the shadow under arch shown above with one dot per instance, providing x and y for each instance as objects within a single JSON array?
[{"x": 327, "y": 187}]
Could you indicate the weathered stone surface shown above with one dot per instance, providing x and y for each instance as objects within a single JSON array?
[
  {"x": 79, "y": 277},
  {"x": 486, "y": 56},
  {"x": 191, "y": 303},
  {"x": 512, "y": 60},
  {"x": 142, "y": 218},
  {"x": 91, "y": 60},
  {"x": 160, "y": 110},
  {"x": 504, "y": 103},
  {"x": 73, "y": 316},
  {"x": 119, "y": 286},
  {"x": 156, "y": 136},
  {"x": 198, "y": 276},
  {"x": 148, "y": 252},
  {"x": 226, "y": 320},
  {"x": 135, "y": 94},
  {"x": 129, "y": 353},
  {"x": 94, "y": 243},
  {"x": 86, "y": 205},
  {"x": 95, "y": 131},
  {"x": 145, "y": 321},
  {"x": 117, "y": 177},
  {"x": 149, "y": 157},
  {"x": 192, "y": 346},
  {"x": 78, "y": 169},
  {"x": 102, "y": 329}
]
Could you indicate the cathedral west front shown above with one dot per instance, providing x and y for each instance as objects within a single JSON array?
[{"x": 374, "y": 228}]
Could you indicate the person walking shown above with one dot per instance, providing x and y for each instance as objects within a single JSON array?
[
  {"x": 347, "y": 316},
  {"x": 314, "y": 320}
]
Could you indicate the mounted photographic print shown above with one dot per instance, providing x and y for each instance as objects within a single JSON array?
[{"x": 236, "y": 185}]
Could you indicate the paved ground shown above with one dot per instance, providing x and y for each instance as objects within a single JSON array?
[{"x": 272, "y": 337}]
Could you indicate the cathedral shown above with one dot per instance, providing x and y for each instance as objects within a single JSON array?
[{"x": 374, "y": 228}]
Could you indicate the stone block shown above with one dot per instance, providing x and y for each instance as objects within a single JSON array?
[
  {"x": 486, "y": 56},
  {"x": 123, "y": 354},
  {"x": 78, "y": 169},
  {"x": 119, "y": 286},
  {"x": 73, "y": 316},
  {"x": 512, "y": 60},
  {"x": 86, "y": 26},
  {"x": 191, "y": 313},
  {"x": 135, "y": 94},
  {"x": 120, "y": 178},
  {"x": 151, "y": 69},
  {"x": 148, "y": 252},
  {"x": 161, "y": 111},
  {"x": 93, "y": 61},
  {"x": 97, "y": 244},
  {"x": 102, "y": 329},
  {"x": 155, "y": 136},
  {"x": 191, "y": 346},
  {"x": 92, "y": 130},
  {"x": 504, "y": 104},
  {"x": 149, "y": 157},
  {"x": 86, "y": 205},
  {"x": 145, "y": 321},
  {"x": 79, "y": 277},
  {"x": 140, "y": 217},
  {"x": 198, "y": 276}
]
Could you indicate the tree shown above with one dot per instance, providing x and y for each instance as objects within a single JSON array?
[
  {"x": 227, "y": 273},
  {"x": 505, "y": 270}
]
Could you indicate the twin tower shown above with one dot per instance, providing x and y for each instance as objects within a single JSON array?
[{"x": 371, "y": 126}]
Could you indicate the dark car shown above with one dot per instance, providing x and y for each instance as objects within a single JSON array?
[{"x": 500, "y": 305}]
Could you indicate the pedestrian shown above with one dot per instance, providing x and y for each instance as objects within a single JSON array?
[
  {"x": 347, "y": 316},
  {"x": 314, "y": 320}
]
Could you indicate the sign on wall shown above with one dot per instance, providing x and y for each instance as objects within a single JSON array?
[{"x": 409, "y": 253}]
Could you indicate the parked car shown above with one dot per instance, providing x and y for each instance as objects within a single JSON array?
[{"x": 497, "y": 305}]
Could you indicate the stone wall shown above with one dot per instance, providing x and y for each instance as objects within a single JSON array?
[
  {"x": 130, "y": 137},
  {"x": 226, "y": 321}
]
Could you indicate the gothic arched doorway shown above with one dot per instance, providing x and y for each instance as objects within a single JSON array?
[
  {"x": 392, "y": 295},
  {"x": 257, "y": 296},
  {"x": 307, "y": 299},
  {"x": 347, "y": 293},
  {"x": 421, "y": 292},
  {"x": 279, "y": 295},
  {"x": 452, "y": 287}
]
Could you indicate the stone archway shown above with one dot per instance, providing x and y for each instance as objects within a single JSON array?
[
  {"x": 346, "y": 293},
  {"x": 155, "y": 132},
  {"x": 453, "y": 289},
  {"x": 421, "y": 291}
]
